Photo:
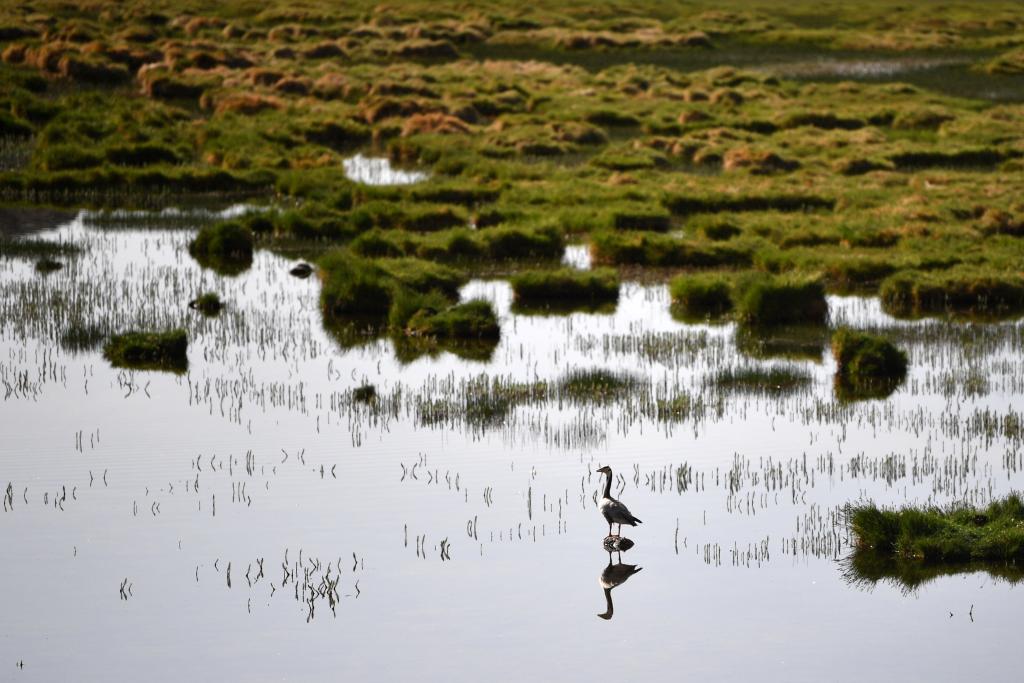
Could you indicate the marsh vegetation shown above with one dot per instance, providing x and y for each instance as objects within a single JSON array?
[{"x": 343, "y": 307}]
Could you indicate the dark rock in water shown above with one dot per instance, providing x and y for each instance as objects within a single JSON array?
[
  {"x": 303, "y": 270},
  {"x": 617, "y": 544},
  {"x": 46, "y": 265}
]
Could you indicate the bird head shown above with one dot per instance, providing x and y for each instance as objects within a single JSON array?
[{"x": 605, "y": 470}]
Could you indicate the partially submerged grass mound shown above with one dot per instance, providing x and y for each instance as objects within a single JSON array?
[
  {"x": 208, "y": 303},
  {"x": 957, "y": 291},
  {"x": 773, "y": 300},
  {"x": 862, "y": 357},
  {"x": 951, "y": 535},
  {"x": 148, "y": 350},
  {"x": 700, "y": 296},
  {"x": 565, "y": 286},
  {"x": 225, "y": 247},
  {"x": 470, "y": 320},
  {"x": 353, "y": 287},
  {"x": 868, "y": 367}
]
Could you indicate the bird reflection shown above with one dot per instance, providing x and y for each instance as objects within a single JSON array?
[{"x": 615, "y": 574}]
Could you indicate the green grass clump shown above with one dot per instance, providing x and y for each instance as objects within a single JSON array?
[
  {"x": 566, "y": 285},
  {"x": 757, "y": 380},
  {"x": 365, "y": 393},
  {"x": 773, "y": 300},
  {"x": 208, "y": 303},
  {"x": 865, "y": 357},
  {"x": 422, "y": 276},
  {"x": 515, "y": 243},
  {"x": 470, "y": 320},
  {"x": 148, "y": 350},
  {"x": 655, "y": 219},
  {"x": 48, "y": 265},
  {"x": 226, "y": 247},
  {"x": 653, "y": 249},
  {"x": 951, "y": 535},
  {"x": 957, "y": 291},
  {"x": 685, "y": 205},
  {"x": 406, "y": 303},
  {"x": 701, "y": 295},
  {"x": 353, "y": 287}
]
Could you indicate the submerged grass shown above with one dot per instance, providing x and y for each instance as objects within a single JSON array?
[{"x": 772, "y": 380}]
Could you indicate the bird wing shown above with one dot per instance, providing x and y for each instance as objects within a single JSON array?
[{"x": 616, "y": 512}]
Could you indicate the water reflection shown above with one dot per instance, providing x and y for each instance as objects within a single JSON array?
[
  {"x": 378, "y": 171},
  {"x": 865, "y": 569},
  {"x": 615, "y": 574}
]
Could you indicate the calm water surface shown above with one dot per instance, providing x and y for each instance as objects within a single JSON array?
[{"x": 249, "y": 519}]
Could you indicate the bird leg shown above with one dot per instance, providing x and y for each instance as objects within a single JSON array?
[{"x": 609, "y": 529}]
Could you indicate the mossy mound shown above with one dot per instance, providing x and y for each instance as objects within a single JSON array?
[
  {"x": 149, "y": 350},
  {"x": 565, "y": 285},
  {"x": 696, "y": 296},
  {"x": 773, "y": 300},
  {"x": 864, "y": 357},
  {"x": 208, "y": 303},
  {"x": 958, "y": 291},
  {"x": 225, "y": 247},
  {"x": 951, "y": 535}
]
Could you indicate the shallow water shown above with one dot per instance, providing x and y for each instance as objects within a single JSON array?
[
  {"x": 946, "y": 71},
  {"x": 379, "y": 171},
  {"x": 142, "y": 506}
]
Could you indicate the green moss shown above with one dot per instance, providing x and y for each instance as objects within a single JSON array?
[{"x": 149, "y": 350}]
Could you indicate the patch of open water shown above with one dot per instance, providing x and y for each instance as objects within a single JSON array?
[{"x": 249, "y": 518}]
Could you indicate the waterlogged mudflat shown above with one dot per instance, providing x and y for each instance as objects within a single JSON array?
[{"x": 250, "y": 519}]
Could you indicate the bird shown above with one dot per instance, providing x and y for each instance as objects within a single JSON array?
[
  {"x": 612, "y": 576},
  {"x": 614, "y": 511}
]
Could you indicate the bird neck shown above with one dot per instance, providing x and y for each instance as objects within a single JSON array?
[
  {"x": 608, "y": 486},
  {"x": 608, "y": 603}
]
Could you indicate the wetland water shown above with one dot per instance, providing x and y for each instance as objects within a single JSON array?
[{"x": 250, "y": 519}]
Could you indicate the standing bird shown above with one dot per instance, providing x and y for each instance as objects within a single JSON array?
[{"x": 614, "y": 511}]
